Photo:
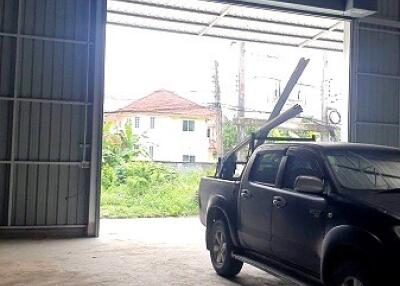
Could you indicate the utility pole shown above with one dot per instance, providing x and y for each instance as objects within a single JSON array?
[
  {"x": 324, "y": 119},
  {"x": 241, "y": 92},
  {"x": 218, "y": 110}
]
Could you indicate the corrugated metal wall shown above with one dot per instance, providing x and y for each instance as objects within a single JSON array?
[
  {"x": 375, "y": 85},
  {"x": 47, "y": 83}
]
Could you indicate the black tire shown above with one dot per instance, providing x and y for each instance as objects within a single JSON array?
[
  {"x": 349, "y": 272},
  {"x": 223, "y": 262}
]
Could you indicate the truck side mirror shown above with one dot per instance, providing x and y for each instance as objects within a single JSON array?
[{"x": 309, "y": 185}]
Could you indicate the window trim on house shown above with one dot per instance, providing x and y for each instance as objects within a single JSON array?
[
  {"x": 187, "y": 126},
  {"x": 137, "y": 122},
  {"x": 189, "y": 158},
  {"x": 152, "y": 122}
]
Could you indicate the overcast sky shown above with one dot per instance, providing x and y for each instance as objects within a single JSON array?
[{"x": 139, "y": 62}]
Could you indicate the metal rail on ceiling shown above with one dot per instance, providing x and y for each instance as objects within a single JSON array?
[
  {"x": 46, "y": 101},
  {"x": 45, "y": 163},
  {"x": 43, "y": 38}
]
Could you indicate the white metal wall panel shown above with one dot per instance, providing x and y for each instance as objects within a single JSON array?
[
  {"x": 375, "y": 84},
  {"x": 49, "y": 50}
]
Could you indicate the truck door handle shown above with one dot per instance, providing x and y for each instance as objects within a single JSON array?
[
  {"x": 279, "y": 202},
  {"x": 245, "y": 194}
]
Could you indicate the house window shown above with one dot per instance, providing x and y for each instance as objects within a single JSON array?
[
  {"x": 152, "y": 122},
  {"x": 189, "y": 159},
  {"x": 137, "y": 122},
  {"x": 151, "y": 152},
  {"x": 188, "y": 125},
  {"x": 208, "y": 132}
]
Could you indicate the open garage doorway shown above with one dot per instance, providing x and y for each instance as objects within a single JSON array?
[{"x": 186, "y": 81}]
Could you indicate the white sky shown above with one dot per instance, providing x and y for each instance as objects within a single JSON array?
[{"x": 139, "y": 62}]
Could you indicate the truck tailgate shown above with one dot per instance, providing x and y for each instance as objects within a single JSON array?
[{"x": 210, "y": 186}]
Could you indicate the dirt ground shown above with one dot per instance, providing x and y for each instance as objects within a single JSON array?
[{"x": 128, "y": 252}]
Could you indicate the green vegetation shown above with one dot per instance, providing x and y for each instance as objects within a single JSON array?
[
  {"x": 230, "y": 133},
  {"x": 133, "y": 188},
  {"x": 152, "y": 190},
  {"x": 142, "y": 189}
]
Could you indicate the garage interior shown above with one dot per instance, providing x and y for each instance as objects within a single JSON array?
[{"x": 51, "y": 110}]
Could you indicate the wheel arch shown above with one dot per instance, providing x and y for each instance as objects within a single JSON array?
[
  {"x": 345, "y": 242},
  {"x": 219, "y": 208}
]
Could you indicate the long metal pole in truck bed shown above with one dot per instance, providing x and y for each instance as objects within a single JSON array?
[
  {"x": 226, "y": 166},
  {"x": 294, "y": 78},
  {"x": 274, "y": 120},
  {"x": 266, "y": 128}
]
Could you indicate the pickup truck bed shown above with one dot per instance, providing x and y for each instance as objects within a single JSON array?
[{"x": 217, "y": 188}]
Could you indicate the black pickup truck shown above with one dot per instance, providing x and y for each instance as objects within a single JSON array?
[{"x": 310, "y": 213}]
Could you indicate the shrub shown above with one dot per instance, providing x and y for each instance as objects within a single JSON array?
[
  {"x": 152, "y": 190},
  {"x": 142, "y": 189}
]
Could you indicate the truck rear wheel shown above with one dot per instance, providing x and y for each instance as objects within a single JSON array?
[
  {"x": 351, "y": 273},
  {"x": 221, "y": 251}
]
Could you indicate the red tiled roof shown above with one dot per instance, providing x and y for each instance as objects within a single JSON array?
[{"x": 164, "y": 101}]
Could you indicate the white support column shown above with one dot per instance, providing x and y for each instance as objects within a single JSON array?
[
  {"x": 15, "y": 114},
  {"x": 97, "y": 119}
]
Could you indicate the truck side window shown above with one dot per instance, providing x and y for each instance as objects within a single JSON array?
[
  {"x": 297, "y": 166},
  {"x": 265, "y": 167}
]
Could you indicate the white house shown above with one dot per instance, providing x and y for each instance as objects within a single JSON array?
[{"x": 172, "y": 128}]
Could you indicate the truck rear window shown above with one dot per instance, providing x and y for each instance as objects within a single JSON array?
[
  {"x": 371, "y": 170},
  {"x": 265, "y": 167}
]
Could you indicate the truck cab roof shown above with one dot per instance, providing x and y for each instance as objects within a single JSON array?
[{"x": 324, "y": 146}]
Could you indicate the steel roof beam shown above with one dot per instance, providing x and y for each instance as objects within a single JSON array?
[
  {"x": 319, "y": 35},
  {"x": 160, "y": 29},
  {"x": 215, "y": 21},
  {"x": 194, "y": 23},
  {"x": 214, "y": 14},
  {"x": 327, "y": 8}
]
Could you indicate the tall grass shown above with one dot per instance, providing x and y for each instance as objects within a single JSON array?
[
  {"x": 133, "y": 189},
  {"x": 146, "y": 189}
]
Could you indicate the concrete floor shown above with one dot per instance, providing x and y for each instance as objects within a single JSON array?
[{"x": 129, "y": 252}]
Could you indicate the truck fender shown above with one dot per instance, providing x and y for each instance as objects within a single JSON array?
[
  {"x": 217, "y": 206},
  {"x": 348, "y": 240}
]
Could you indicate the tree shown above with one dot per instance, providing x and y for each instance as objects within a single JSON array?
[
  {"x": 229, "y": 134},
  {"x": 120, "y": 145}
]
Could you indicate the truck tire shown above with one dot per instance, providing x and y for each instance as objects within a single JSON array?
[
  {"x": 221, "y": 249},
  {"x": 349, "y": 273}
]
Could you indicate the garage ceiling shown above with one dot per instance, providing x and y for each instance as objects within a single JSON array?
[{"x": 227, "y": 21}]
